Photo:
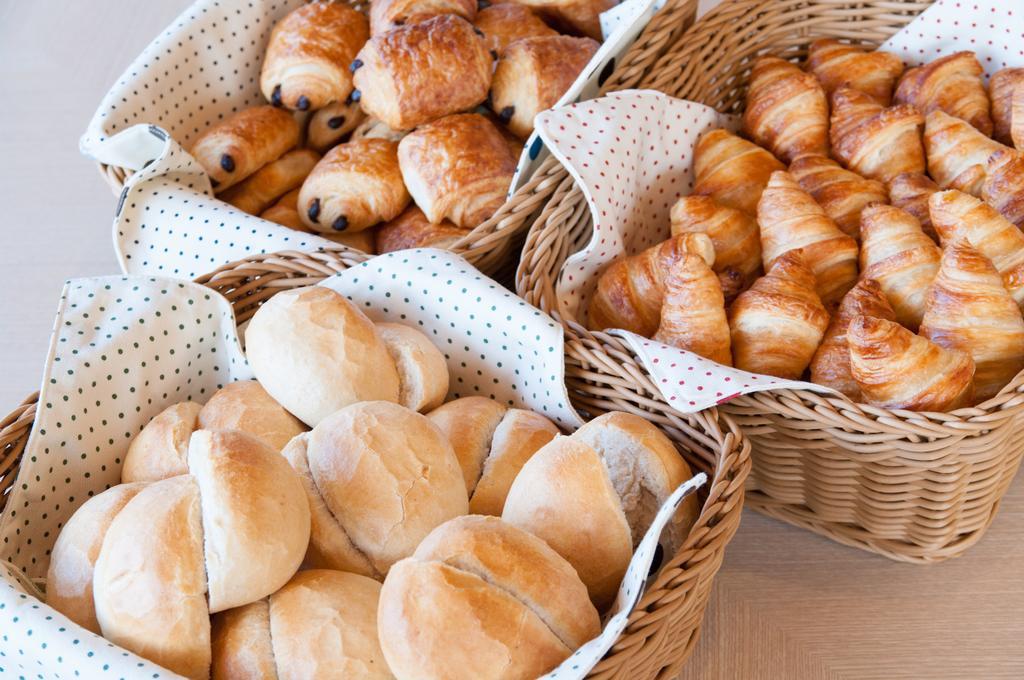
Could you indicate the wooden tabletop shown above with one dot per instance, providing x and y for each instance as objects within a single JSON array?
[{"x": 787, "y": 604}]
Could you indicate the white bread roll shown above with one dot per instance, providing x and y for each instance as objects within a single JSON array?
[
  {"x": 482, "y": 599},
  {"x": 255, "y": 516},
  {"x": 387, "y": 475},
  {"x": 329, "y": 546},
  {"x": 591, "y": 496},
  {"x": 242, "y": 647},
  {"x": 150, "y": 584},
  {"x": 69, "y": 576},
  {"x": 160, "y": 449},
  {"x": 315, "y": 353},
  {"x": 422, "y": 371},
  {"x": 492, "y": 443},
  {"x": 245, "y": 406}
]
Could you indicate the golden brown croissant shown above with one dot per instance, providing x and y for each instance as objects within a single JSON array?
[
  {"x": 1001, "y": 88},
  {"x": 791, "y": 220},
  {"x": 506, "y": 22},
  {"x": 911, "y": 191},
  {"x": 841, "y": 193},
  {"x": 235, "y": 148},
  {"x": 787, "y": 112},
  {"x": 421, "y": 72},
  {"x": 631, "y": 290},
  {"x": 1017, "y": 118},
  {"x": 777, "y": 325},
  {"x": 732, "y": 170},
  {"x": 306, "y": 66},
  {"x": 957, "y": 216},
  {"x": 875, "y": 141},
  {"x": 258, "y": 191},
  {"x": 831, "y": 363},
  {"x": 735, "y": 236},
  {"x": 457, "y": 168},
  {"x": 1003, "y": 188},
  {"x": 572, "y": 16},
  {"x": 898, "y": 369},
  {"x": 969, "y": 309},
  {"x": 895, "y": 252},
  {"x": 388, "y": 14},
  {"x": 412, "y": 229},
  {"x": 693, "y": 314},
  {"x": 836, "y": 64},
  {"x": 285, "y": 212},
  {"x": 329, "y": 125},
  {"x": 957, "y": 153},
  {"x": 952, "y": 84},
  {"x": 372, "y": 128}
]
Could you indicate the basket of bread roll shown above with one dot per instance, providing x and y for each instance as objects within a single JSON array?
[
  {"x": 842, "y": 209},
  {"x": 378, "y": 126},
  {"x": 371, "y": 490}
]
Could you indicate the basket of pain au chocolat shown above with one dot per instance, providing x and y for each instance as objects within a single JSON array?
[
  {"x": 885, "y": 262},
  {"x": 398, "y": 124},
  {"x": 338, "y": 515}
]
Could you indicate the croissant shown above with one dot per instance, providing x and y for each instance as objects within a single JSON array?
[
  {"x": 841, "y": 193},
  {"x": 240, "y": 145},
  {"x": 580, "y": 17},
  {"x": 260, "y": 190},
  {"x": 957, "y": 216},
  {"x": 506, "y": 22},
  {"x": 896, "y": 253},
  {"x": 875, "y": 141},
  {"x": 831, "y": 363},
  {"x": 969, "y": 309},
  {"x": 787, "y": 112},
  {"x": 777, "y": 325},
  {"x": 910, "y": 191},
  {"x": 388, "y": 14},
  {"x": 952, "y": 84},
  {"x": 631, "y": 290},
  {"x": 957, "y": 153},
  {"x": 1017, "y": 118},
  {"x": 734, "y": 234},
  {"x": 329, "y": 125},
  {"x": 790, "y": 219},
  {"x": 898, "y": 369},
  {"x": 693, "y": 314},
  {"x": 412, "y": 229},
  {"x": 1003, "y": 188},
  {"x": 835, "y": 64},
  {"x": 1001, "y": 88},
  {"x": 732, "y": 170}
]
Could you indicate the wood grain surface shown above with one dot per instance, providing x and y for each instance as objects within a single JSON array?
[{"x": 787, "y": 604}]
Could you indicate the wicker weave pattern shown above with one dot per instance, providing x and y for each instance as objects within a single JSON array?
[
  {"x": 911, "y": 486},
  {"x": 663, "y": 628}
]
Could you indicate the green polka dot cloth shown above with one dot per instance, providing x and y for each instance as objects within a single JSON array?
[{"x": 202, "y": 69}]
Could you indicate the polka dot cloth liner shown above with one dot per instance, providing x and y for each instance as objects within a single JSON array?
[
  {"x": 203, "y": 68},
  {"x": 124, "y": 348}
]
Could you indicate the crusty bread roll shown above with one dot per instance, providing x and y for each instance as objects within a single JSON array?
[
  {"x": 245, "y": 406},
  {"x": 482, "y": 599},
  {"x": 255, "y": 516},
  {"x": 422, "y": 371},
  {"x": 69, "y": 576},
  {"x": 159, "y": 451},
  {"x": 321, "y": 624},
  {"x": 387, "y": 475},
  {"x": 592, "y": 496},
  {"x": 492, "y": 443},
  {"x": 149, "y": 583},
  {"x": 315, "y": 352}
]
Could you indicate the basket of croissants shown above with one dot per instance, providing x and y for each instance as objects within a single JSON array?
[
  {"x": 860, "y": 232},
  {"x": 336, "y": 517}
]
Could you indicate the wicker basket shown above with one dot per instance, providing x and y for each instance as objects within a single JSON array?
[
  {"x": 488, "y": 245},
  {"x": 663, "y": 628},
  {"x": 914, "y": 487}
]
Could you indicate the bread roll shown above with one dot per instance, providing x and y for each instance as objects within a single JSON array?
[
  {"x": 257, "y": 192},
  {"x": 387, "y": 475},
  {"x": 315, "y": 352},
  {"x": 492, "y": 443},
  {"x": 240, "y": 145},
  {"x": 593, "y": 495},
  {"x": 160, "y": 450},
  {"x": 506, "y": 22},
  {"x": 482, "y": 599},
  {"x": 422, "y": 371},
  {"x": 69, "y": 576},
  {"x": 245, "y": 406},
  {"x": 150, "y": 581},
  {"x": 242, "y": 647},
  {"x": 387, "y": 15},
  {"x": 329, "y": 125},
  {"x": 255, "y": 516}
]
